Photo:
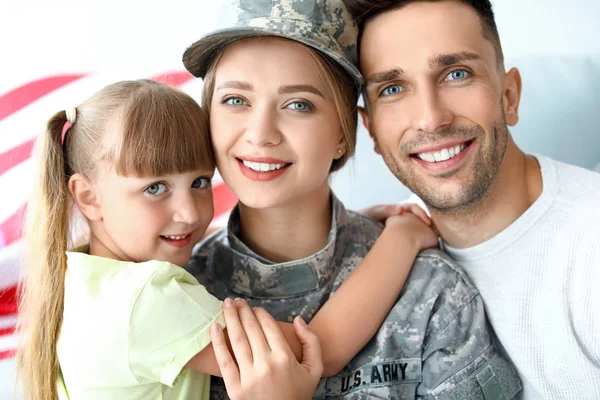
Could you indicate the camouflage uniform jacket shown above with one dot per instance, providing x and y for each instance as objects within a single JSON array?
[{"x": 435, "y": 343}]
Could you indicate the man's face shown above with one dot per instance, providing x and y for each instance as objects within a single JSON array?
[{"x": 436, "y": 101}]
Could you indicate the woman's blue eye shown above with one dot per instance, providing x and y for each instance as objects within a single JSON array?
[
  {"x": 235, "y": 101},
  {"x": 457, "y": 75},
  {"x": 156, "y": 189},
  {"x": 300, "y": 106},
  {"x": 392, "y": 90},
  {"x": 201, "y": 183}
]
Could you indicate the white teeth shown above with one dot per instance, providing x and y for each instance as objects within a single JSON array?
[
  {"x": 427, "y": 157},
  {"x": 445, "y": 155},
  {"x": 175, "y": 237},
  {"x": 442, "y": 155},
  {"x": 262, "y": 167}
]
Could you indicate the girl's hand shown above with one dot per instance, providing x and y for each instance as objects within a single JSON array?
[
  {"x": 266, "y": 367},
  {"x": 409, "y": 224},
  {"x": 382, "y": 212}
]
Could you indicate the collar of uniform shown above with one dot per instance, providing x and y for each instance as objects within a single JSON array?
[{"x": 249, "y": 274}]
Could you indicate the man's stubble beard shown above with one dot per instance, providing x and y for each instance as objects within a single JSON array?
[{"x": 485, "y": 169}]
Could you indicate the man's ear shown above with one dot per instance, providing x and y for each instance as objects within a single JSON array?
[
  {"x": 512, "y": 96},
  {"x": 364, "y": 115},
  {"x": 84, "y": 195}
]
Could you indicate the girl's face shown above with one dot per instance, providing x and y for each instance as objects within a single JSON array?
[
  {"x": 274, "y": 126},
  {"x": 159, "y": 218}
]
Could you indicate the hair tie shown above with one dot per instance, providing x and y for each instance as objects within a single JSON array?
[
  {"x": 71, "y": 114},
  {"x": 71, "y": 117}
]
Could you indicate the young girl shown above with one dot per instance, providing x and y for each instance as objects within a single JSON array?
[{"x": 118, "y": 317}]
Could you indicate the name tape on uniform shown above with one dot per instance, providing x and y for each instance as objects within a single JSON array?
[{"x": 384, "y": 373}]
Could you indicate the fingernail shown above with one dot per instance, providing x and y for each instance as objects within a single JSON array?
[
  {"x": 228, "y": 302},
  {"x": 302, "y": 322},
  {"x": 215, "y": 328},
  {"x": 239, "y": 300}
]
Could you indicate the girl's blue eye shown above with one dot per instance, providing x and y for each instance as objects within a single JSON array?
[
  {"x": 201, "y": 183},
  {"x": 156, "y": 188},
  {"x": 235, "y": 101},
  {"x": 300, "y": 106},
  {"x": 457, "y": 75},
  {"x": 391, "y": 90}
]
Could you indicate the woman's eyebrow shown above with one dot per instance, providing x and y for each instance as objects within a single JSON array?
[
  {"x": 241, "y": 85},
  {"x": 300, "y": 88}
]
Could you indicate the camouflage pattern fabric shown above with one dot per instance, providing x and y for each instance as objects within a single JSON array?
[
  {"x": 435, "y": 343},
  {"x": 325, "y": 25}
]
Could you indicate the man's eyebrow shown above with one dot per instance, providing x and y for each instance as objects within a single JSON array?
[
  {"x": 236, "y": 85},
  {"x": 446, "y": 60},
  {"x": 300, "y": 88},
  {"x": 384, "y": 76}
]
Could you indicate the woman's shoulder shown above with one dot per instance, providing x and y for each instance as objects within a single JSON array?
[
  {"x": 356, "y": 234},
  {"x": 218, "y": 235},
  {"x": 198, "y": 262},
  {"x": 363, "y": 226}
]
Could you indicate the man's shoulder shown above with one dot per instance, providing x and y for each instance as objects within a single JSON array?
[
  {"x": 577, "y": 201},
  {"x": 575, "y": 184}
]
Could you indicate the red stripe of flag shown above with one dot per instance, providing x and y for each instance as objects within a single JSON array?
[
  {"x": 10, "y": 230},
  {"x": 24, "y": 95},
  {"x": 7, "y": 354},
  {"x": 176, "y": 78},
  {"x": 8, "y": 301},
  {"x": 7, "y": 331},
  {"x": 223, "y": 199}
]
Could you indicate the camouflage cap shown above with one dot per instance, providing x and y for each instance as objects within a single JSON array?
[{"x": 325, "y": 25}]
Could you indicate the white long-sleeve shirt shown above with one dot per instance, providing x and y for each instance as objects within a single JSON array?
[{"x": 540, "y": 282}]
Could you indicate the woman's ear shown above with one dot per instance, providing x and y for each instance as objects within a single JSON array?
[
  {"x": 84, "y": 195},
  {"x": 340, "y": 149}
]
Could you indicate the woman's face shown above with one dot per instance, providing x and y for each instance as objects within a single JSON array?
[{"x": 274, "y": 126}]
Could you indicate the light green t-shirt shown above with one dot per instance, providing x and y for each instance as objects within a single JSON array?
[{"x": 129, "y": 329}]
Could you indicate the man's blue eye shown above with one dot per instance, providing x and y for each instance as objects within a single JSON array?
[
  {"x": 235, "y": 101},
  {"x": 156, "y": 189},
  {"x": 300, "y": 106},
  {"x": 392, "y": 90},
  {"x": 457, "y": 75},
  {"x": 201, "y": 183}
]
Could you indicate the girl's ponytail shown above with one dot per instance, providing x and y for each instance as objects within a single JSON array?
[{"x": 42, "y": 289}]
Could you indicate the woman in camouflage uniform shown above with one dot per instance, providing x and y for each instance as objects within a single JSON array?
[{"x": 281, "y": 83}]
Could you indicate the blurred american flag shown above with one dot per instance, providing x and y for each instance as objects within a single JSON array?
[{"x": 23, "y": 112}]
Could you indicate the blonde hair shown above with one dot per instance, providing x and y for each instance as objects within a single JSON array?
[
  {"x": 339, "y": 84},
  {"x": 140, "y": 128}
]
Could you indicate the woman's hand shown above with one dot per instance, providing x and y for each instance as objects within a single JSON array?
[{"x": 266, "y": 367}]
